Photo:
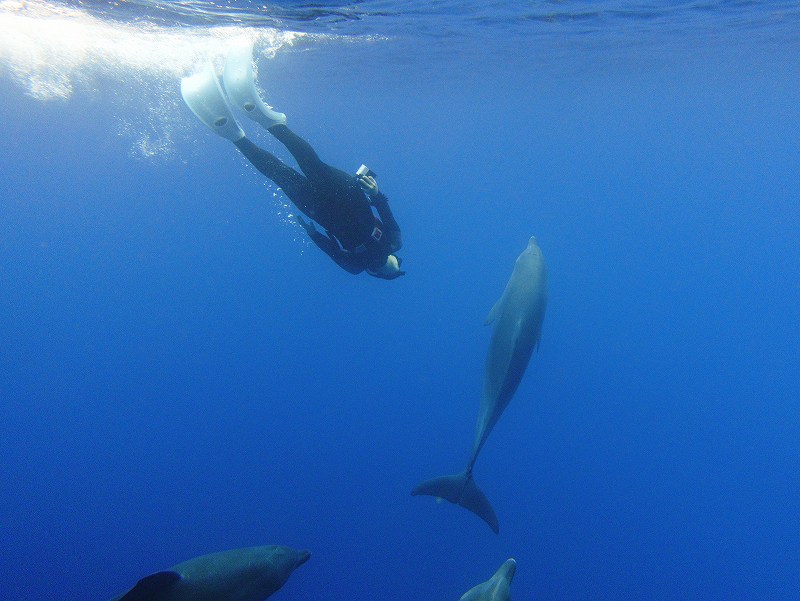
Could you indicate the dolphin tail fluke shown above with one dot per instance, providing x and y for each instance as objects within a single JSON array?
[{"x": 461, "y": 490}]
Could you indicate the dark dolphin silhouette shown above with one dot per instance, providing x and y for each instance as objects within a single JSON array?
[
  {"x": 518, "y": 317},
  {"x": 249, "y": 574},
  {"x": 497, "y": 588}
]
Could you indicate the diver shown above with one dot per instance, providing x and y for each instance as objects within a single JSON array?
[{"x": 342, "y": 204}]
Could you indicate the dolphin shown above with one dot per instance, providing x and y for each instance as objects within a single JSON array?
[
  {"x": 497, "y": 588},
  {"x": 518, "y": 316},
  {"x": 249, "y": 574}
]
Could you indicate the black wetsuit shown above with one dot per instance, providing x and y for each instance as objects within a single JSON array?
[{"x": 357, "y": 240}]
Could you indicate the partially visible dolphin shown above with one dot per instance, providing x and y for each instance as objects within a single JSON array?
[
  {"x": 518, "y": 315},
  {"x": 249, "y": 574},
  {"x": 497, "y": 588}
]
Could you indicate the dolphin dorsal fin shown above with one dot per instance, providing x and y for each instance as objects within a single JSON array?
[
  {"x": 496, "y": 311},
  {"x": 151, "y": 587}
]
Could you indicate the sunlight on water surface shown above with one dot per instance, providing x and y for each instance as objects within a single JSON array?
[{"x": 51, "y": 51}]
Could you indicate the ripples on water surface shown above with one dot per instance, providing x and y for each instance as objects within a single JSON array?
[
  {"x": 454, "y": 18},
  {"x": 52, "y": 50},
  {"x": 39, "y": 36}
]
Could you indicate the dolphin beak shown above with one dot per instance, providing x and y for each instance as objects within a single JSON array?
[{"x": 508, "y": 569}]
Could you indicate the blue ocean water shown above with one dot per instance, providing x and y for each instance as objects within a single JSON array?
[{"x": 182, "y": 372}]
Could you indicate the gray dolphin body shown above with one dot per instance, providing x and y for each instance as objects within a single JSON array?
[
  {"x": 518, "y": 316},
  {"x": 497, "y": 588},
  {"x": 249, "y": 574}
]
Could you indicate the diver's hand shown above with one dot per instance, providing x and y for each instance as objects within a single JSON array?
[
  {"x": 368, "y": 183},
  {"x": 306, "y": 225}
]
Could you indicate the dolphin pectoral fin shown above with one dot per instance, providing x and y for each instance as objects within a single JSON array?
[
  {"x": 152, "y": 587},
  {"x": 460, "y": 489},
  {"x": 497, "y": 309}
]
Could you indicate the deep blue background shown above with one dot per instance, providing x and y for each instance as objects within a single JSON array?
[{"x": 180, "y": 372}]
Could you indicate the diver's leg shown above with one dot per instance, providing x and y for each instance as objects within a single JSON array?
[
  {"x": 306, "y": 157},
  {"x": 299, "y": 190},
  {"x": 340, "y": 204}
]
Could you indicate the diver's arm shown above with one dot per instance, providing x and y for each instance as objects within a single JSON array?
[
  {"x": 330, "y": 248},
  {"x": 391, "y": 227},
  {"x": 379, "y": 200}
]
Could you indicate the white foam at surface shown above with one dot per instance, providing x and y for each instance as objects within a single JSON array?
[{"x": 51, "y": 49}]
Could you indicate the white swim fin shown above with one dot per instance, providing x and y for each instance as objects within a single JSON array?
[
  {"x": 203, "y": 93},
  {"x": 240, "y": 84}
]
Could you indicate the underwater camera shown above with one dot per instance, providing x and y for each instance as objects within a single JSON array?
[{"x": 365, "y": 171}]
